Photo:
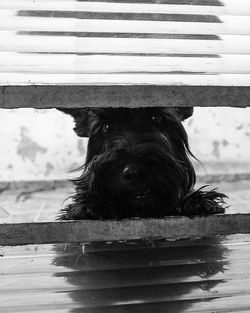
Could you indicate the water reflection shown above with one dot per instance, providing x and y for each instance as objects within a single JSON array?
[{"x": 144, "y": 276}]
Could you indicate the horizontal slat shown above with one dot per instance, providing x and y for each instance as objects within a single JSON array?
[
  {"x": 236, "y": 25},
  {"x": 8, "y": 79},
  {"x": 128, "y": 96},
  {"x": 66, "y": 44},
  {"x": 84, "y": 231},
  {"x": 96, "y": 64},
  {"x": 228, "y": 7}
]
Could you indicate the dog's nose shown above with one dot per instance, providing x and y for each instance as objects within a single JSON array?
[{"x": 133, "y": 173}]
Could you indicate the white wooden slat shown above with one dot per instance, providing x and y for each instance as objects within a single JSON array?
[
  {"x": 26, "y": 79},
  {"x": 122, "y": 64},
  {"x": 228, "y": 7},
  {"x": 236, "y": 25},
  {"x": 68, "y": 44}
]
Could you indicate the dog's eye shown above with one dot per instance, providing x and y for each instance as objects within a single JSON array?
[
  {"x": 106, "y": 127},
  {"x": 156, "y": 119}
]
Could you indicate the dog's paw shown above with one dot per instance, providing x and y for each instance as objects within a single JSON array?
[
  {"x": 202, "y": 202},
  {"x": 87, "y": 207},
  {"x": 72, "y": 212}
]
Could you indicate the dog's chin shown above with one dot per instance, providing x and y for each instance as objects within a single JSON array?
[
  {"x": 144, "y": 203},
  {"x": 140, "y": 196}
]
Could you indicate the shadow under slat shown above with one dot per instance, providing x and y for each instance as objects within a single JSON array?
[
  {"x": 121, "y": 35},
  {"x": 187, "y": 2},
  {"x": 122, "y": 16}
]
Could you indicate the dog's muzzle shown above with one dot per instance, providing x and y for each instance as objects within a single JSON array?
[{"x": 134, "y": 174}]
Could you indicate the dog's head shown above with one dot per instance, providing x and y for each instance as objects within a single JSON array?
[{"x": 137, "y": 159}]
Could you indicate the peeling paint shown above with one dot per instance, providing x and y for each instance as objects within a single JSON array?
[
  {"x": 239, "y": 127},
  {"x": 225, "y": 143},
  {"x": 49, "y": 169},
  {"x": 27, "y": 148},
  {"x": 81, "y": 147},
  {"x": 216, "y": 149}
]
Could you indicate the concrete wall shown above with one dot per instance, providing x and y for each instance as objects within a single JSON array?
[
  {"x": 40, "y": 144},
  {"x": 220, "y": 138}
]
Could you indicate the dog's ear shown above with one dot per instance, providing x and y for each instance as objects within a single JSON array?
[
  {"x": 81, "y": 119},
  {"x": 181, "y": 113}
]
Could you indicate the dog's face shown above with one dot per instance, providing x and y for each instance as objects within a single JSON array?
[{"x": 137, "y": 161}]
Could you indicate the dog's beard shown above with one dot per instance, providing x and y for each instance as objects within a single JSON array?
[{"x": 102, "y": 193}]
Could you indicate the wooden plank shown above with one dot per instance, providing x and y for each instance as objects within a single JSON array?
[
  {"x": 127, "y": 96},
  {"x": 85, "y": 231},
  {"x": 236, "y": 25},
  {"x": 96, "y": 64},
  {"x": 10, "y": 43},
  {"x": 128, "y": 79}
]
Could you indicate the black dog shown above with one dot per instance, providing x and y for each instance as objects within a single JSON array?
[{"x": 137, "y": 165}]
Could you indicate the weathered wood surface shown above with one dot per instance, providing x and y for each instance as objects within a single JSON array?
[
  {"x": 86, "y": 231},
  {"x": 114, "y": 43},
  {"x": 188, "y": 276},
  {"x": 128, "y": 96}
]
